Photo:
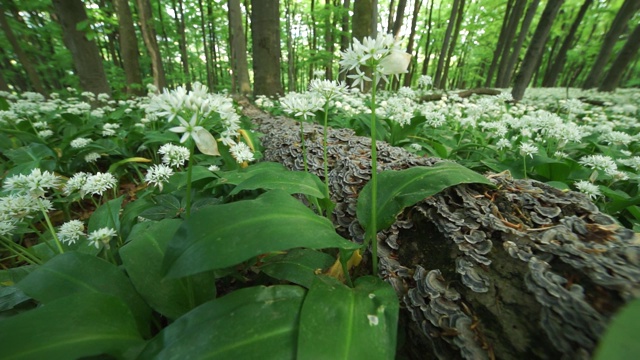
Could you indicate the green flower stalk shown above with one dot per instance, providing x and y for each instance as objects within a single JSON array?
[{"x": 382, "y": 56}]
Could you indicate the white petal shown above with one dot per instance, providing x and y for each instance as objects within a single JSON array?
[
  {"x": 206, "y": 143},
  {"x": 395, "y": 63}
]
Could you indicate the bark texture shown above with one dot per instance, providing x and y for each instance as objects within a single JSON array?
[
  {"x": 85, "y": 53},
  {"x": 265, "y": 33},
  {"x": 129, "y": 48},
  {"x": 534, "y": 51},
  {"x": 240, "y": 76},
  {"x": 149, "y": 36},
  {"x": 622, "y": 61},
  {"x": 516, "y": 271}
]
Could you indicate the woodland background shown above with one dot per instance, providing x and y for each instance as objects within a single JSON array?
[{"x": 270, "y": 46}]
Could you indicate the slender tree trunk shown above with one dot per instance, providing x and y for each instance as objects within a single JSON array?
[
  {"x": 313, "y": 51},
  {"x": 512, "y": 27},
  {"x": 182, "y": 41},
  {"x": 362, "y": 23},
  {"x": 437, "y": 83},
  {"x": 344, "y": 37},
  {"x": 452, "y": 46},
  {"x": 129, "y": 48},
  {"x": 328, "y": 40},
  {"x": 551, "y": 77},
  {"x": 620, "y": 64},
  {"x": 239, "y": 64},
  {"x": 627, "y": 10},
  {"x": 25, "y": 61},
  {"x": 265, "y": 33},
  {"x": 3, "y": 83},
  {"x": 165, "y": 40},
  {"x": 397, "y": 24},
  {"x": 414, "y": 21},
  {"x": 522, "y": 35},
  {"x": 500, "y": 45},
  {"x": 149, "y": 37},
  {"x": 205, "y": 47},
  {"x": 85, "y": 53},
  {"x": 427, "y": 52},
  {"x": 534, "y": 51}
]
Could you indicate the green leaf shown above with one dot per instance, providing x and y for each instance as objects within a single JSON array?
[
  {"x": 298, "y": 266},
  {"x": 338, "y": 322},
  {"x": 70, "y": 328},
  {"x": 142, "y": 257},
  {"x": 77, "y": 273},
  {"x": 220, "y": 236},
  {"x": 235, "y": 177},
  {"x": 620, "y": 341},
  {"x": 293, "y": 182},
  {"x": 248, "y": 323},
  {"x": 107, "y": 215},
  {"x": 399, "y": 189}
]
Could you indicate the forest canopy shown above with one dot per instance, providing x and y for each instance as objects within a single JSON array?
[{"x": 47, "y": 46}]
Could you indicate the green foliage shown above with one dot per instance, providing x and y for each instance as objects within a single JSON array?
[
  {"x": 620, "y": 341},
  {"x": 400, "y": 189}
]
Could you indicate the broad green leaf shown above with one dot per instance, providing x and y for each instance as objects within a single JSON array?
[
  {"x": 30, "y": 157},
  {"x": 72, "y": 327},
  {"x": 338, "y": 322},
  {"x": 256, "y": 322},
  {"x": 293, "y": 182},
  {"x": 235, "y": 177},
  {"x": 77, "y": 273},
  {"x": 10, "y": 296},
  {"x": 107, "y": 215},
  {"x": 220, "y": 236},
  {"x": 142, "y": 258},
  {"x": 298, "y": 265},
  {"x": 620, "y": 341},
  {"x": 399, "y": 189}
]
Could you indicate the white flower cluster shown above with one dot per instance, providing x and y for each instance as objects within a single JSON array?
[
  {"x": 173, "y": 155},
  {"x": 296, "y": 104},
  {"x": 36, "y": 184},
  {"x": 158, "y": 174},
  {"x": 85, "y": 183}
]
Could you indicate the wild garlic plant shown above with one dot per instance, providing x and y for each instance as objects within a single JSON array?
[
  {"x": 382, "y": 57},
  {"x": 199, "y": 115}
]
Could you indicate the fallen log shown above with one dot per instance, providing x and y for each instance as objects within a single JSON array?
[
  {"x": 463, "y": 94},
  {"x": 519, "y": 271}
]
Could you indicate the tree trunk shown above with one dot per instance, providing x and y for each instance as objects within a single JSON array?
[
  {"x": 500, "y": 45},
  {"x": 328, "y": 40},
  {"x": 205, "y": 47},
  {"x": 397, "y": 24},
  {"x": 437, "y": 82},
  {"x": 344, "y": 36},
  {"x": 182, "y": 41},
  {"x": 265, "y": 34},
  {"x": 512, "y": 27},
  {"x": 165, "y": 39},
  {"x": 361, "y": 24},
  {"x": 149, "y": 37},
  {"x": 452, "y": 46},
  {"x": 622, "y": 61},
  {"x": 129, "y": 48},
  {"x": 85, "y": 53},
  {"x": 552, "y": 74},
  {"x": 626, "y": 12},
  {"x": 25, "y": 61},
  {"x": 412, "y": 66},
  {"x": 503, "y": 272},
  {"x": 534, "y": 51},
  {"x": 427, "y": 52},
  {"x": 291, "y": 61},
  {"x": 239, "y": 64},
  {"x": 522, "y": 35}
]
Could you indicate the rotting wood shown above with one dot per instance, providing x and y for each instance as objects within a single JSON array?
[
  {"x": 520, "y": 271},
  {"x": 463, "y": 94}
]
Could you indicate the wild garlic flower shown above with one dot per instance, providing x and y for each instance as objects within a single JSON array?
[
  {"x": 528, "y": 149},
  {"x": 80, "y": 142},
  {"x": 304, "y": 105},
  {"x": 213, "y": 168},
  {"x": 109, "y": 129},
  {"x": 327, "y": 89},
  {"x": 71, "y": 231},
  {"x": 75, "y": 183},
  {"x": 241, "y": 152},
  {"x": 7, "y": 227},
  {"x": 158, "y": 175},
  {"x": 593, "y": 191},
  {"x": 425, "y": 81},
  {"x": 633, "y": 162},
  {"x": 91, "y": 157},
  {"x": 383, "y": 55},
  {"x": 35, "y": 184},
  {"x": 503, "y": 144},
  {"x": 599, "y": 162},
  {"x": 98, "y": 183},
  {"x": 16, "y": 207},
  {"x": 101, "y": 236},
  {"x": 173, "y": 155}
]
